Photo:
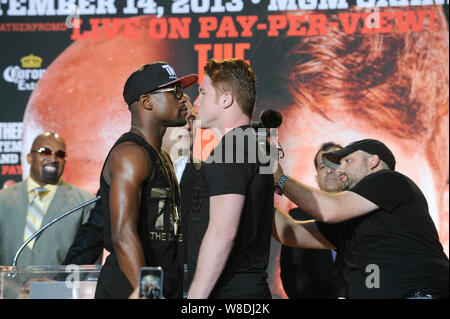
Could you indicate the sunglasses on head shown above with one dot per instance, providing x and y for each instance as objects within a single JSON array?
[
  {"x": 48, "y": 152},
  {"x": 177, "y": 91}
]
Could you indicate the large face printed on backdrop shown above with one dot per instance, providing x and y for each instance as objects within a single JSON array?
[{"x": 391, "y": 86}]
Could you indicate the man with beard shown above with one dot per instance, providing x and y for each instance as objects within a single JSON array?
[
  {"x": 34, "y": 202},
  {"x": 380, "y": 225},
  {"x": 140, "y": 193},
  {"x": 179, "y": 142}
]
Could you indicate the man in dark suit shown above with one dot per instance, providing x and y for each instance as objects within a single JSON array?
[
  {"x": 27, "y": 206},
  {"x": 312, "y": 273}
]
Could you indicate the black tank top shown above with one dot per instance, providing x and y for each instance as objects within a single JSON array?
[{"x": 157, "y": 220}]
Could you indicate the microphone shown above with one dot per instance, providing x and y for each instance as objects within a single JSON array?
[
  {"x": 35, "y": 234},
  {"x": 271, "y": 118}
]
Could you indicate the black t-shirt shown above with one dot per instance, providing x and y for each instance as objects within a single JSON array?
[
  {"x": 395, "y": 249},
  {"x": 245, "y": 270}
]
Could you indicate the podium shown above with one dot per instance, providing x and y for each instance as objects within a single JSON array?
[{"x": 49, "y": 282}]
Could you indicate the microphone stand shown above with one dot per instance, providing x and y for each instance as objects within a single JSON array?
[{"x": 35, "y": 234}]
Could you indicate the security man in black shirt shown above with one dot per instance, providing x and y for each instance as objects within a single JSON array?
[{"x": 380, "y": 225}]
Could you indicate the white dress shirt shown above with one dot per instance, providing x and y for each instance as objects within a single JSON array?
[{"x": 179, "y": 165}]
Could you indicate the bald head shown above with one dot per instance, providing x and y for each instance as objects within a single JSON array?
[
  {"x": 47, "y": 136},
  {"x": 47, "y": 158}
]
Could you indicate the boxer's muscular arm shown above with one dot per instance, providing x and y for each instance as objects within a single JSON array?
[{"x": 128, "y": 167}]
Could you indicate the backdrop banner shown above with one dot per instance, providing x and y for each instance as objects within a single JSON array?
[{"x": 337, "y": 70}]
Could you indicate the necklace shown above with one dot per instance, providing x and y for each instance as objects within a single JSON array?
[{"x": 168, "y": 172}]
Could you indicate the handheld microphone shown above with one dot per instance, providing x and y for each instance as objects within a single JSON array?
[
  {"x": 35, "y": 234},
  {"x": 269, "y": 119}
]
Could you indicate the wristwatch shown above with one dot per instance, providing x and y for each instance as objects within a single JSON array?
[{"x": 279, "y": 187}]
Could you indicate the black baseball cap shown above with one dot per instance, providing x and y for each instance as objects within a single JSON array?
[
  {"x": 374, "y": 147},
  {"x": 151, "y": 77}
]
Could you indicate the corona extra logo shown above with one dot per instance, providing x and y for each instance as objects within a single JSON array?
[
  {"x": 26, "y": 75},
  {"x": 31, "y": 62}
]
